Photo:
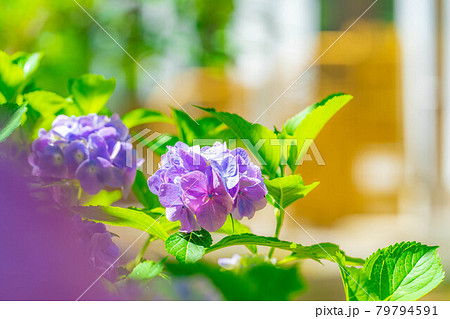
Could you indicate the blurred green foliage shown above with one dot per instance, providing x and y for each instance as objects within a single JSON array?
[{"x": 186, "y": 32}]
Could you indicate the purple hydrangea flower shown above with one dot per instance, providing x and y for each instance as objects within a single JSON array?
[
  {"x": 200, "y": 187},
  {"x": 101, "y": 250},
  {"x": 93, "y": 149}
]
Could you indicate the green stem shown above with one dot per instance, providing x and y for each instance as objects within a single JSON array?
[
  {"x": 279, "y": 214},
  {"x": 141, "y": 254}
]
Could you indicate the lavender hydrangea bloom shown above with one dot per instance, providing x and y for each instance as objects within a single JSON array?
[
  {"x": 93, "y": 149},
  {"x": 102, "y": 252},
  {"x": 200, "y": 187}
]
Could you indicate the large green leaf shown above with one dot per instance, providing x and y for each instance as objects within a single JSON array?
[
  {"x": 305, "y": 126},
  {"x": 188, "y": 247},
  {"x": 144, "y": 116},
  {"x": 45, "y": 102},
  {"x": 259, "y": 138},
  {"x": 286, "y": 190},
  {"x": 126, "y": 217},
  {"x": 10, "y": 117},
  {"x": 143, "y": 193},
  {"x": 91, "y": 92},
  {"x": 402, "y": 272},
  {"x": 316, "y": 252}
]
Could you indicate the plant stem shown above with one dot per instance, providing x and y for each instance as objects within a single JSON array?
[
  {"x": 279, "y": 214},
  {"x": 141, "y": 254}
]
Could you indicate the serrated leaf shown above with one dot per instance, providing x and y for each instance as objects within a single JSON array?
[
  {"x": 91, "y": 92},
  {"x": 10, "y": 117},
  {"x": 306, "y": 125},
  {"x": 286, "y": 190},
  {"x": 144, "y": 116},
  {"x": 146, "y": 270},
  {"x": 188, "y": 247},
  {"x": 142, "y": 192},
  {"x": 268, "y": 155},
  {"x": 126, "y": 217},
  {"x": 45, "y": 102},
  {"x": 403, "y": 272}
]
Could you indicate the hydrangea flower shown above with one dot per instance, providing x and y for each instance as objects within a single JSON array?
[
  {"x": 93, "y": 149},
  {"x": 101, "y": 250},
  {"x": 200, "y": 186}
]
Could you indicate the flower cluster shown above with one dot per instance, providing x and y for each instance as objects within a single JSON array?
[
  {"x": 200, "y": 187},
  {"x": 93, "y": 149},
  {"x": 101, "y": 250}
]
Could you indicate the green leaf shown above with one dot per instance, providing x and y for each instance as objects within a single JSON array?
[
  {"x": 305, "y": 126},
  {"x": 143, "y": 193},
  {"x": 126, "y": 217},
  {"x": 286, "y": 190},
  {"x": 146, "y": 270},
  {"x": 143, "y": 116},
  {"x": 159, "y": 144},
  {"x": 316, "y": 252},
  {"x": 187, "y": 128},
  {"x": 268, "y": 155},
  {"x": 11, "y": 77},
  {"x": 91, "y": 92},
  {"x": 234, "y": 227},
  {"x": 10, "y": 117},
  {"x": 212, "y": 128},
  {"x": 257, "y": 281},
  {"x": 46, "y": 103},
  {"x": 28, "y": 62},
  {"x": 188, "y": 247},
  {"x": 403, "y": 272},
  {"x": 103, "y": 198}
]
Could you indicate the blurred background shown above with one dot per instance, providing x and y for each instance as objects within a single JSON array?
[{"x": 386, "y": 176}]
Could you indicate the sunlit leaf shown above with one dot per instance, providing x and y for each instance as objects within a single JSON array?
[
  {"x": 146, "y": 270},
  {"x": 142, "y": 192},
  {"x": 91, "y": 92},
  {"x": 126, "y": 217},
  {"x": 305, "y": 126},
  {"x": 316, "y": 252},
  {"x": 403, "y": 272},
  {"x": 144, "y": 116},
  {"x": 103, "y": 198},
  {"x": 10, "y": 117},
  {"x": 46, "y": 103},
  {"x": 286, "y": 190},
  {"x": 188, "y": 247},
  {"x": 11, "y": 77},
  {"x": 257, "y": 136}
]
